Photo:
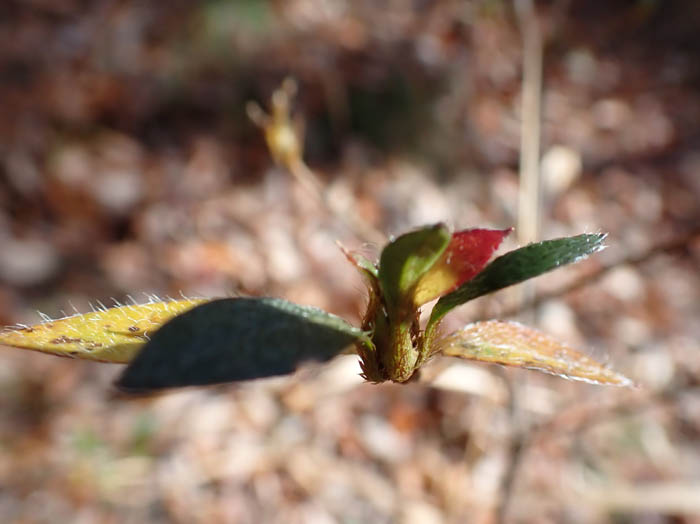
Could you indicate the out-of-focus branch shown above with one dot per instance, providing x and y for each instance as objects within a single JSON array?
[{"x": 285, "y": 140}]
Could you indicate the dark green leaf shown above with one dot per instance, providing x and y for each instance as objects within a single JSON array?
[
  {"x": 404, "y": 260},
  {"x": 236, "y": 339},
  {"x": 520, "y": 265}
]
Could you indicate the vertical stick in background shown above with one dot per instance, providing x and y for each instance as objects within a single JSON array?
[
  {"x": 529, "y": 196},
  {"x": 528, "y": 228}
]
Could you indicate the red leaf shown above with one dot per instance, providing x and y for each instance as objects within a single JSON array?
[
  {"x": 466, "y": 255},
  {"x": 471, "y": 249}
]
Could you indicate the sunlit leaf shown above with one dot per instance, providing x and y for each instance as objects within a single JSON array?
[
  {"x": 404, "y": 260},
  {"x": 467, "y": 253},
  {"x": 236, "y": 339},
  {"x": 513, "y": 344},
  {"x": 520, "y": 265},
  {"x": 109, "y": 335}
]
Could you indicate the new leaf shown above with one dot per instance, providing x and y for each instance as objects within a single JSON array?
[
  {"x": 467, "y": 253},
  {"x": 520, "y": 265},
  {"x": 405, "y": 260}
]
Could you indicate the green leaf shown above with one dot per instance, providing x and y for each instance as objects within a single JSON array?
[
  {"x": 404, "y": 260},
  {"x": 520, "y": 265},
  {"x": 512, "y": 344},
  {"x": 236, "y": 339}
]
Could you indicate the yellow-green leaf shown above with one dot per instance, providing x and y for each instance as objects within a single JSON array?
[
  {"x": 513, "y": 344},
  {"x": 405, "y": 259},
  {"x": 109, "y": 335}
]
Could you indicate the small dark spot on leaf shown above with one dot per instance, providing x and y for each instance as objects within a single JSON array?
[{"x": 65, "y": 340}]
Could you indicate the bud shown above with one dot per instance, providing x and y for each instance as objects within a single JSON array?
[{"x": 466, "y": 255}]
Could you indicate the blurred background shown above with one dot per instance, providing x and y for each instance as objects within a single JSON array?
[{"x": 128, "y": 167}]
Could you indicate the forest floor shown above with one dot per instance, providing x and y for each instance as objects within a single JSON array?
[{"x": 128, "y": 168}]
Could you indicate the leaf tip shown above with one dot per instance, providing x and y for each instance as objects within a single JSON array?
[{"x": 597, "y": 240}]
